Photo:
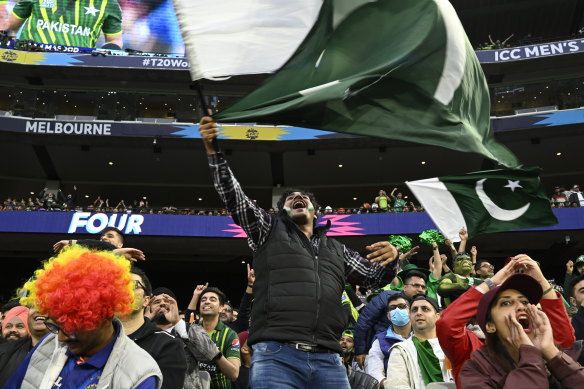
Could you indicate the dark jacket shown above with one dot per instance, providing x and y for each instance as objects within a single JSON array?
[
  {"x": 94, "y": 244},
  {"x": 11, "y": 355},
  {"x": 481, "y": 372},
  {"x": 372, "y": 320},
  {"x": 242, "y": 322},
  {"x": 166, "y": 350},
  {"x": 359, "y": 380},
  {"x": 298, "y": 293},
  {"x": 578, "y": 323},
  {"x": 573, "y": 199}
]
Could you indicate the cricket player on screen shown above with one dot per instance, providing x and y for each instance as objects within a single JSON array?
[{"x": 68, "y": 22}]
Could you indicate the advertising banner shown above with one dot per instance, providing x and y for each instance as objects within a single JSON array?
[
  {"x": 224, "y": 227},
  {"x": 245, "y": 132},
  {"x": 531, "y": 51}
]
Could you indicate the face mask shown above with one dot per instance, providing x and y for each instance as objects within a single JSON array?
[{"x": 399, "y": 317}]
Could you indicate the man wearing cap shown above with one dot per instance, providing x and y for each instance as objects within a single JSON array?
[
  {"x": 576, "y": 199},
  {"x": 419, "y": 360},
  {"x": 166, "y": 349},
  {"x": 458, "y": 342},
  {"x": 578, "y": 265},
  {"x": 347, "y": 343},
  {"x": 398, "y": 307},
  {"x": 163, "y": 311}
]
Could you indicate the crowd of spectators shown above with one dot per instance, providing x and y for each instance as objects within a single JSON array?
[
  {"x": 401, "y": 335},
  {"x": 10, "y": 42},
  {"x": 527, "y": 39},
  {"x": 562, "y": 198},
  {"x": 47, "y": 201},
  {"x": 90, "y": 315},
  {"x": 395, "y": 202}
]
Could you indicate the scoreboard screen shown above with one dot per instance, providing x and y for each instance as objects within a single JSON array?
[{"x": 146, "y": 25}]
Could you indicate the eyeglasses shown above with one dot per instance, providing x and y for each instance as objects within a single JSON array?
[
  {"x": 52, "y": 327},
  {"x": 418, "y": 286},
  {"x": 227, "y": 310},
  {"x": 400, "y": 306},
  {"x": 488, "y": 266},
  {"x": 138, "y": 285}
]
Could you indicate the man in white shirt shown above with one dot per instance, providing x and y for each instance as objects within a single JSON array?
[
  {"x": 419, "y": 360},
  {"x": 577, "y": 197}
]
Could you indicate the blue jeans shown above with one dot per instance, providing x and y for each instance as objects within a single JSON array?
[{"x": 278, "y": 365}]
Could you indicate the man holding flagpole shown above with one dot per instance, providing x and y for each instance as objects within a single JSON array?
[{"x": 297, "y": 317}]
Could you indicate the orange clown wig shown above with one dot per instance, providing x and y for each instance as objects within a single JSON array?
[{"x": 80, "y": 288}]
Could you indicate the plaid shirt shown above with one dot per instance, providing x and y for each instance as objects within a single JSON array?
[{"x": 257, "y": 224}]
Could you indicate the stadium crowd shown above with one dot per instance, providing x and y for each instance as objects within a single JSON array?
[
  {"x": 314, "y": 313},
  {"x": 429, "y": 324},
  {"x": 395, "y": 202}
]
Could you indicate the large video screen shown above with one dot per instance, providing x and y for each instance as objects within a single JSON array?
[{"x": 146, "y": 25}]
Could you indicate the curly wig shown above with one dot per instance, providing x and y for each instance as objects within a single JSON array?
[{"x": 80, "y": 288}]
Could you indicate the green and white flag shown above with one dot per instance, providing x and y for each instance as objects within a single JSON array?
[
  {"x": 394, "y": 69},
  {"x": 234, "y": 37},
  {"x": 487, "y": 201}
]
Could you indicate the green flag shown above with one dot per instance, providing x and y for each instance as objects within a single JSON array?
[
  {"x": 487, "y": 201},
  {"x": 394, "y": 69}
]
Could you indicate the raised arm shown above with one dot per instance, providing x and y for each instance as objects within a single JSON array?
[
  {"x": 245, "y": 212},
  {"x": 242, "y": 321},
  {"x": 473, "y": 254},
  {"x": 509, "y": 37},
  {"x": 392, "y": 194},
  {"x": 436, "y": 261},
  {"x": 463, "y": 235}
]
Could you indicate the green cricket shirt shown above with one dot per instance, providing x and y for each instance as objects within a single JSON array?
[
  {"x": 228, "y": 343},
  {"x": 68, "y": 22}
]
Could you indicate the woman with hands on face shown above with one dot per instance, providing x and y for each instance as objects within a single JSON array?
[
  {"x": 459, "y": 343},
  {"x": 519, "y": 349}
]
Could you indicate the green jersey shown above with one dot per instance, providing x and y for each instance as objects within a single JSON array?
[
  {"x": 398, "y": 205},
  {"x": 228, "y": 343},
  {"x": 68, "y": 22}
]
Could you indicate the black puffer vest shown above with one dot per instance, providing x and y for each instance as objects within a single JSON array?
[{"x": 298, "y": 293}]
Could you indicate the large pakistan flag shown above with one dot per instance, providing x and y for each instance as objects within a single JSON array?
[{"x": 395, "y": 69}]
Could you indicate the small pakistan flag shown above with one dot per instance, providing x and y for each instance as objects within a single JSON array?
[{"x": 486, "y": 201}]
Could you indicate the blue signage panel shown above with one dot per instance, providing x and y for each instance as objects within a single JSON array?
[{"x": 224, "y": 227}]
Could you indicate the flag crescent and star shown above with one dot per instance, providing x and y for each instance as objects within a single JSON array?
[
  {"x": 402, "y": 70},
  {"x": 493, "y": 209}
]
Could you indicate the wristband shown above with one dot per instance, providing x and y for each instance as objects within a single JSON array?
[
  {"x": 250, "y": 286},
  {"x": 489, "y": 283},
  {"x": 547, "y": 290},
  {"x": 217, "y": 357}
]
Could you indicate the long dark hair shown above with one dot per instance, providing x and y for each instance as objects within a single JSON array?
[{"x": 497, "y": 351}]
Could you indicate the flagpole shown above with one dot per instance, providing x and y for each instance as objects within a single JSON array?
[
  {"x": 205, "y": 107},
  {"x": 202, "y": 99}
]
